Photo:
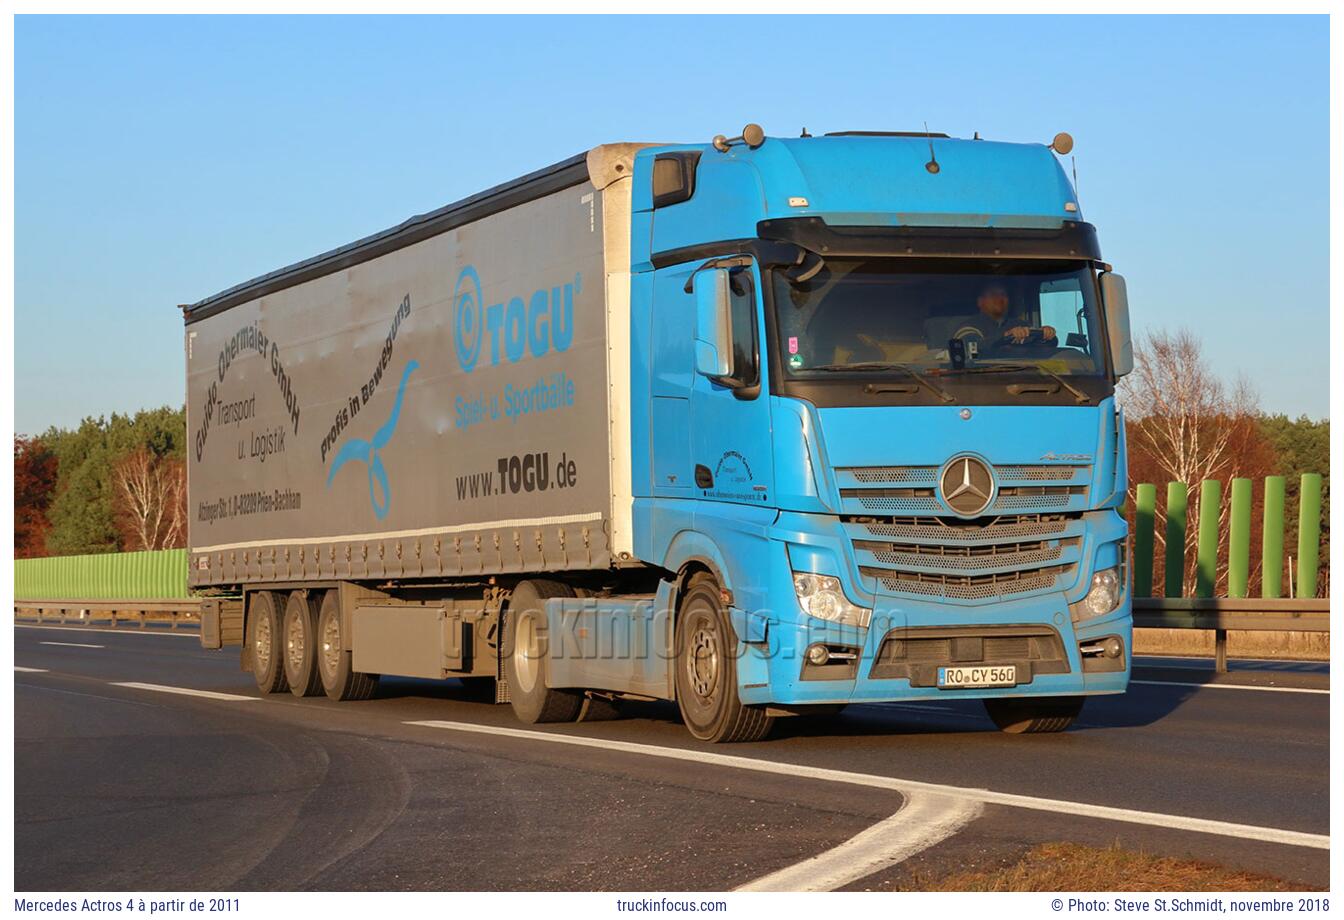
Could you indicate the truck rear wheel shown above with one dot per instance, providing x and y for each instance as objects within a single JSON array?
[
  {"x": 334, "y": 665},
  {"x": 1033, "y": 716},
  {"x": 301, "y": 644},
  {"x": 525, "y": 655},
  {"x": 706, "y": 670},
  {"x": 264, "y": 641}
]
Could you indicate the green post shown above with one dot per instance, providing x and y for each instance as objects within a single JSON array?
[
  {"x": 1206, "y": 552},
  {"x": 1309, "y": 534},
  {"x": 1271, "y": 553},
  {"x": 1239, "y": 540},
  {"x": 1145, "y": 502},
  {"x": 1176, "y": 506}
]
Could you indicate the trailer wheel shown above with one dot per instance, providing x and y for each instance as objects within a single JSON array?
[
  {"x": 706, "y": 670},
  {"x": 525, "y": 655},
  {"x": 264, "y": 640},
  {"x": 1034, "y": 716},
  {"x": 300, "y": 625},
  {"x": 334, "y": 667}
]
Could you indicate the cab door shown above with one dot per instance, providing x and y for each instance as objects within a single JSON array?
[{"x": 730, "y": 439}]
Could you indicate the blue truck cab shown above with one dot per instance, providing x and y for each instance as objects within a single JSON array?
[{"x": 873, "y": 422}]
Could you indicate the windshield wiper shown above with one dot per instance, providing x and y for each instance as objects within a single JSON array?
[
  {"x": 1079, "y": 396},
  {"x": 885, "y": 366}
]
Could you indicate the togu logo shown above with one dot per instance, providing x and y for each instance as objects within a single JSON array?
[{"x": 544, "y": 323}]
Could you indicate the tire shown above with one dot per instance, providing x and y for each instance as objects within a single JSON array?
[
  {"x": 706, "y": 670},
  {"x": 1034, "y": 716},
  {"x": 264, "y": 642},
  {"x": 525, "y": 662},
  {"x": 334, "y": 666},
  {"x": 599, "y": 709},
  {"x": 300, "y": 644}
]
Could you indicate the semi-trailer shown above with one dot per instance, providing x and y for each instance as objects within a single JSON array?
[{"x": 764, "y": 427}]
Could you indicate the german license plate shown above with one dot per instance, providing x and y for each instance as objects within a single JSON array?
[{"x": 1004, "y": 675}]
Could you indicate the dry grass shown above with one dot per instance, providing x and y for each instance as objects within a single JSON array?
[
  {"x": 1073, "y": 867},
  {"x": 1240, "y": 643}
]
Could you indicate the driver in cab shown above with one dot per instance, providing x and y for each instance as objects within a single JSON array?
[{"x": 994, "y": 323}]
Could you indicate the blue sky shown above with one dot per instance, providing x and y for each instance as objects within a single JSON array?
[{"x": 159, "y": 160}]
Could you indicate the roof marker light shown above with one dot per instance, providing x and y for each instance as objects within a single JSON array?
[
  {"x": 797, "y": 201},
  {"x": 1071, "y": 206},
  {"x": 1062, "y": 143}
]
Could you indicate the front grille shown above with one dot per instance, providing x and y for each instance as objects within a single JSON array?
[
  {"x": 971, "y": 561},
  {"x": 909, "y": 542},
  {"x": 913, "y": 490}
]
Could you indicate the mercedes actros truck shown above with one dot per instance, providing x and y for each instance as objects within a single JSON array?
[{"x": 764, "y": 426}]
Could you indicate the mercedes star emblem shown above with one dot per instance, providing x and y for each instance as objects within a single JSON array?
[{"x": 967, "y": 486}]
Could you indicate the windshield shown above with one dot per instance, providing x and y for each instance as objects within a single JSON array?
[{"x": 951, "y": 317}]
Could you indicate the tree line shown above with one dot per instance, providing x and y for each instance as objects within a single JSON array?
[
  {"x": 110, "y": 485},
  {"x": 119, "y": 484}
]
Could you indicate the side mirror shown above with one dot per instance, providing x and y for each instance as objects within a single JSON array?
[
  {"x": 1116, "y": 301},
  {"x": 713, "y": 336}
]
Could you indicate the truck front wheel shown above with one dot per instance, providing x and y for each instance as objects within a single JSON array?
[
  {"x": 265, "y": 641},
  {"x": 706, "y": 670},
  {"x": 1019, "y": 716},
  {"x": 339, "y": 678},
  {"x": 525, "y": 650}
]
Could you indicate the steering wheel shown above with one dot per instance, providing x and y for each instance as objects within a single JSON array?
[{"x": 1035, "y": 337}]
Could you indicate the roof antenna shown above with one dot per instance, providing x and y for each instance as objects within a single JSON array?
[
  {"x": 1074, "y": 161},
  {"x": 804, "y": 134},
  {"x": 932, "y": 166}
]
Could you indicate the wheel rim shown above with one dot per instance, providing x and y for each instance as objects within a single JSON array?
[
  {"x": 703, "y": 660},
  {"x": 262, "y": 642},
  {"x": 294, "y": 644},
  {"x": 331, "y": 645},
  {"x": 526, "y": 654}
]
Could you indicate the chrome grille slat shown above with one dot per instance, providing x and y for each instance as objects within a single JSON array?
[
  {"x": 967, "y": 588},
  {"x": 1019, "y": 560},
  {"x": 952, "y": 532}
]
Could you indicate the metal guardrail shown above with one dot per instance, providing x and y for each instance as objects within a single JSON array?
[
  {"x": 80, "y": 612},
  {"x": 1223, "y": 613}
]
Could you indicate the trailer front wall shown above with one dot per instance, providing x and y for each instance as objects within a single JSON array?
[{"x": 440, "y": 410}]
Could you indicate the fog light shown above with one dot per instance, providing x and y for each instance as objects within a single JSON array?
[{"x": 818, "y": 655}]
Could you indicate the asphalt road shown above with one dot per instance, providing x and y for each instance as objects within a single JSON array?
[{"x": 129, "y": 788}]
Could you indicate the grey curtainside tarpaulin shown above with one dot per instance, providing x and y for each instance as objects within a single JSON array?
[{"x": 435, "y": 400}]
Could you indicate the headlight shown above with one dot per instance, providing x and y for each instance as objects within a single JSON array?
[
  {"x": 821, "y": 596},
  {"x": 1101, "y": 598}
]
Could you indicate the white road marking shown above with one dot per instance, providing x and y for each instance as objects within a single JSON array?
[
  {"x": 30, "y": 670},
  {"x": 185, "y": 691},
  {"x": 907, "y": 787},
  {"x": 73, "y": 644},
  {"x": 182, "y": 634},
  {"x": 1172, "y": 683},
  {"x": 923, "y": 821}
]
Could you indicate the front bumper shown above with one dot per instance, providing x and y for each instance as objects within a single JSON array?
[
  {"x": 777, "y": 670},
  {"x": 1033, "y": 632}
]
